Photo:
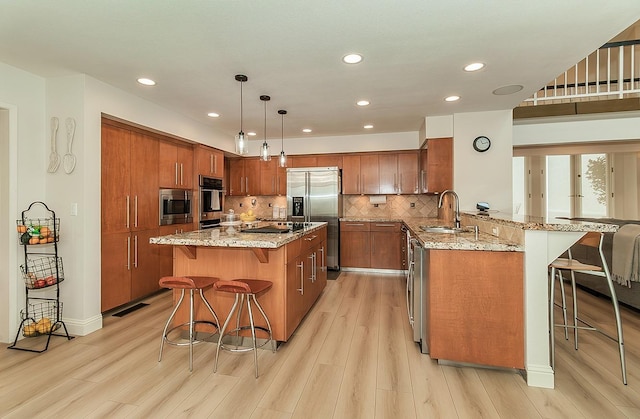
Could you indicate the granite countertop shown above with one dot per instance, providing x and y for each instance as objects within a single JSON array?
[
  {"x": 239, "y": 239},
  {"x": 445, "y": 241},
  {"x": 528, "y": 222}
]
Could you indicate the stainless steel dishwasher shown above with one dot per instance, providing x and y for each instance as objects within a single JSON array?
[{"x": 417, "y": 293}]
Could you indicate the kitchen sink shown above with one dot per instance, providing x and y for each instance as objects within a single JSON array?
[{"x": 441, "y": 229}]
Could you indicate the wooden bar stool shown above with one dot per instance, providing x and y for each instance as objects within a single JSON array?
[
  {"x": 192, "y": 283},
  {"x": 241, "y": 288},
  {"x": 594, "y": 240}
]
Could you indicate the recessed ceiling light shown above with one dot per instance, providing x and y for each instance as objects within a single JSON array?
[
  {"x": 369, "y": 126},
  {"x": 508, "y": 90},
  {"x": 452, "y": 98},
  {"x": 352, "y": 58},
  {"x": 306, "y": 130},
  {"x": 146, "y": 82},
  {"x": 251, "y": 133},
  {"x": 473, "y": 66},
  {"x": 362, "y": 102},
  {"x": 213, "y": 114}
]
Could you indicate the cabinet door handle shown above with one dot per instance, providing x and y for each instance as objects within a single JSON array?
[
  {"x": 358, "y": 183},
  {"x": 385, "y": 225},
  {"x": 311, "y": 238},
  {"x": 395, "y": 182},
  {"x": 323, "y": 265},
  {"x": 423, "y": 181},
  {"x": 135, "y": 211},
  {"x": 354, "y": 224},
  {"x": 176, "y": 173},
  {"x": 241, "y": 184},
  {"x": 128, "y": 211},
  {"x": 301, "y": 289},
  {"x": 129, "y": 253},
  {"x": 215, "y": 164},
  {"x": 400, "y": 183},
  {"x": 181, "y": 175},
  {"x": 313, "y": 266},
  {"x": 246, "y": 180},
  {"x": 135, "y": 251},
  {"x": 211, "y": 163}
]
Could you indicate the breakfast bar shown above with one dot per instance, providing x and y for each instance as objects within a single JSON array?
[
  {"x": 544, "y": 240},
  {"x": 294, "y": 260}
]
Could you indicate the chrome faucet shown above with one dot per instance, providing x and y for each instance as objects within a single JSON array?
[{"x": 456, "y": 213}]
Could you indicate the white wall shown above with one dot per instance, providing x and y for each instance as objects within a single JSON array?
[
  {"x": 344, "y": 144},
  {"x": 22, "y": 171},
  {"x": 483, "y": 176},
  {"x": 583, "y": 128}
]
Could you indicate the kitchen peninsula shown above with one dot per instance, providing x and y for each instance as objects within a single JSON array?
[
  {"x": 294, "y": 261},
  {"x": 486, "y": 297}
]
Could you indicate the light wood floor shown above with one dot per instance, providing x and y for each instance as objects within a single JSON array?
[{"x": 351, "y": 358}]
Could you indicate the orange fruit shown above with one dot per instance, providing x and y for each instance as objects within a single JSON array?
[
  {"x": 45, "y": 231},
  {"x": 49, "y": 239},
  {"x": 34, "y": 240},
  {"x": 29, "y": 330},
  {"x": 22, "y": 229},
  {"x": 43, "y": 240}
]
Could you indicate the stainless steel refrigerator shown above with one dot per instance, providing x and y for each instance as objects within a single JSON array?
[{"x": 315, "y": 194}]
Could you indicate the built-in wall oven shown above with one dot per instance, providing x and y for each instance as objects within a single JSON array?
[
  {"x": 211, "y": 201},
  {"x": 175, "y": 206}
]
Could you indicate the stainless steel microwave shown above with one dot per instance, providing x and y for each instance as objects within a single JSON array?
[{"x": 175, "y": 206}]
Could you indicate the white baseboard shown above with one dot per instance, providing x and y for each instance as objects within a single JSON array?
[{"x": 78, "y": 327}]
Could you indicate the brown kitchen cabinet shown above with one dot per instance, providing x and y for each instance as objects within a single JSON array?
[
  {"x": 436, "y": 165},
  {"x": 329, "y": 160},
  {"x": 129, "y": 180},
  {"x": 360, "y": 174},
  {"x": 355, "y": 246},
  {"x": 244, "y": 176},
  {"x": 475, "y": 309},
  {"x": 130, "y": 214},
  {"x": 210, "y": 162},
  {"x": 306, "y": 276},
  {"x": 273, "y": 178},
  {"x": 386, "y": 245},
  {"x": 302, "y": 161},
  {"x": 398, "y": 173},
  {"x": 175, "y": 165}
]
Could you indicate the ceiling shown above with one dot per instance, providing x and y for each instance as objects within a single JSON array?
[{"x": 414, "y": 52}]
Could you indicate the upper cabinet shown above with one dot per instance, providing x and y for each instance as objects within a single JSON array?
[
  {"x": 273, "y": 178},
  {"x": 176, "y": 165},
  {"x": 210, "y": 162},
  {"x": 399, "y": 173},
  {"x": 244, "y": 176},
  {"x": 436, "y": 165},
  {"x": 360, "y": 174}
]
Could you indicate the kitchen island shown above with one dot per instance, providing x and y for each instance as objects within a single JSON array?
[{"x": 294, "y": 261}]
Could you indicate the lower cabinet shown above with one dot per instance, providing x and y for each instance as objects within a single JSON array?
[
  {"x": 129, "y": 267},
  {"x": 306, "y": 276},
  {"x": 475, "y": 309},
  {"x": 375, "y": 245}
]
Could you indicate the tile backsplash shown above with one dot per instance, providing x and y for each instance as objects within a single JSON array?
[{"x": 352, "y": 205}]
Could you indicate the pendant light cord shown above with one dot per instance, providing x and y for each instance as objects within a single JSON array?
[{"x": 241, "y": 83}]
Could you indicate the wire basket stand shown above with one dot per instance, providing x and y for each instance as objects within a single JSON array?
[{"x": 42, "y": 269}]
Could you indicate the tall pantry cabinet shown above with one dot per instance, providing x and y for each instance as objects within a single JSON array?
[{"x": 129, "y": 216}]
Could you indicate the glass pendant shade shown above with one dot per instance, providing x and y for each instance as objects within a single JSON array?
[
  {"x": 264, "y": 150},
  {"x": 282, "y": 161},
  {"x": 242, "y": 142}
]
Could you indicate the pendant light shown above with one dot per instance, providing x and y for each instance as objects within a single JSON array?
[
  {"x": 242, "y": 142},
  {"x": 283, "y": 157},
  {"x": 264, "y": 150}
]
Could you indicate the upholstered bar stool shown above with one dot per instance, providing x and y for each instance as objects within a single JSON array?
[
  {"x": 593, "y": 240},
  {"x": 244, "y": 289},
  {"x": 193, "y": 284}
]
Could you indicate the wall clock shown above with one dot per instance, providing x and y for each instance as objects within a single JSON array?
[{"x": 481, "y": 143}]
